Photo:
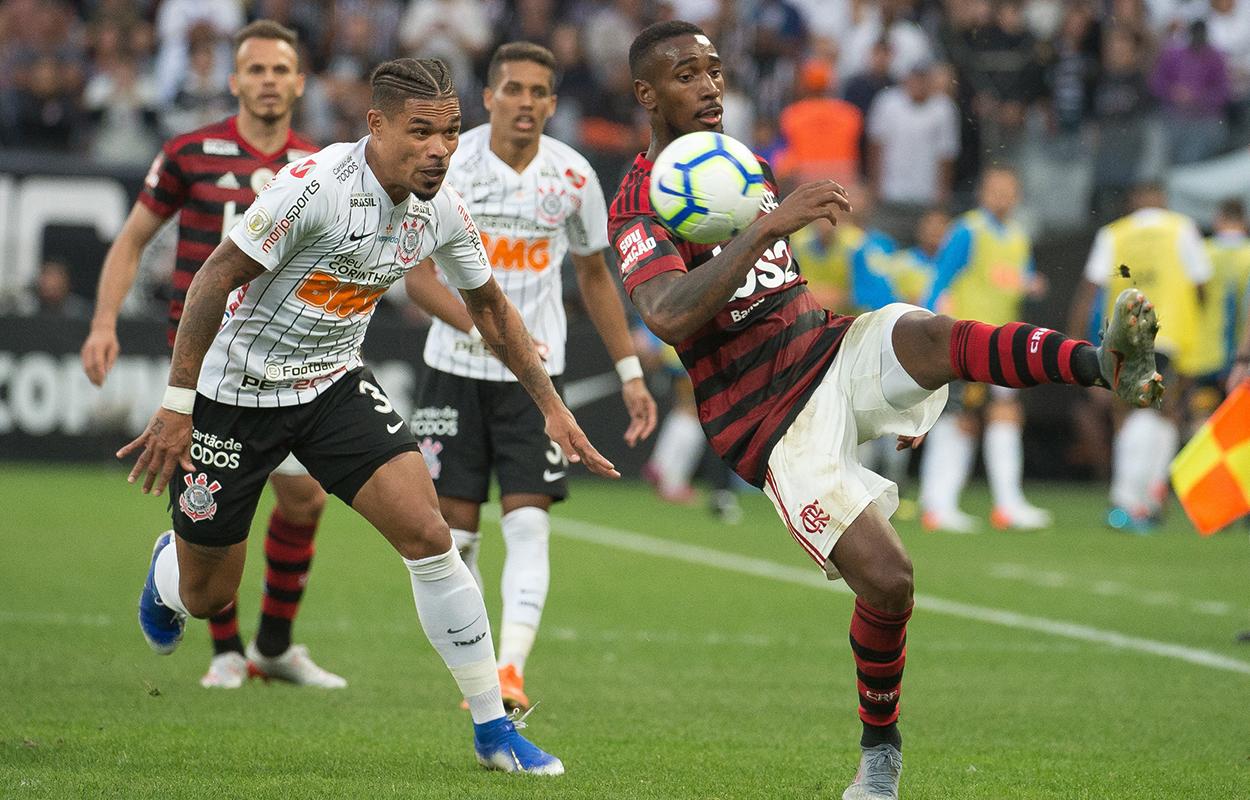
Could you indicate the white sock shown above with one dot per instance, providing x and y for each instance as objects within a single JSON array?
[
  {"x": 678, "y": 449},
  {"x": 1004, "y": 464},
  {"x": 167, "y": 576},
  {"x": 1167, "y": 440},
  {"x": 452, "y": 613},
  {"x": 468, "y": 543},
  {"x": 526, "y": 577},
  {"x": 1132, "y": 462},
  {"x": 944, "y": 468}
]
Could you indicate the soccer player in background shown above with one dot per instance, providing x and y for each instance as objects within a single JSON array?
[
  {"x": 786, "y": 389},
  {"x": 297, "y": 280},
  {"x": 985, "y": 270},
  {"x": 1161, "y": 253},
  {"x": 534, "y": 199},
  {"x": 211, "y": 175},
  {"x": 1225, "y": 307}
]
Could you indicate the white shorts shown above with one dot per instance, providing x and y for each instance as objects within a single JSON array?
[
  {"x": 290, "y": 466},
  {"x": 814, "y": 476}
]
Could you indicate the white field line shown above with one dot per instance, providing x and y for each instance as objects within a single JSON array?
[
  {"x": 746, "y": 565},
  {"x": 1050, "y": 579}
]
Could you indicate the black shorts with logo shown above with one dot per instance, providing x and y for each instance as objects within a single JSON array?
[
  {"x": 342, "y": 437},
  {"x": 466, "y": 426}
]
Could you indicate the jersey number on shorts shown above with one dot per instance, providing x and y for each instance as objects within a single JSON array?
[{"x": 384, "y": 403}]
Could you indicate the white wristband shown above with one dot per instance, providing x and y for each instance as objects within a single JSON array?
[
  {"x": 629, "y": 368},
  {"x": 179, "y": 400}
]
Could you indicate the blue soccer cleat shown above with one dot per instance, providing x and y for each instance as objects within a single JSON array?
[
  {"x": 500, "y": 746},
  {"x": 161, "y": 626}
]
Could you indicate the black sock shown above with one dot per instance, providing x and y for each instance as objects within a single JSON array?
[
  {"x": 881, "y": 734},
  {"x": 274, "y": 635}
]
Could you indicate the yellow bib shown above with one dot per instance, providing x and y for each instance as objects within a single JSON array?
[
  {"x": 1224, "y": 294},
  {"x": 1151, "y": 249},
  {"x": 827, "y": 266},
  {"x": 992, "y": 285}
]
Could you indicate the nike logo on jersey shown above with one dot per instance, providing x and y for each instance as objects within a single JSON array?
[
  {"x": 395, "y": 427},
  {"x": 458, "y": 630},
  {"x": 550, "y": 476},
  {"x": 355, "y": 237}
]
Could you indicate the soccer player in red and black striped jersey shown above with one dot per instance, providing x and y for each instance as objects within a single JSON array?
[
  {"x": 210, "y": 176},
  {"x": 786, "y": 389}
]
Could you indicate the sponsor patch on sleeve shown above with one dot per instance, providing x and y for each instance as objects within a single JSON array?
[
  {"x": 258, "y": 222},
  {"x": 633, "y": 246}
]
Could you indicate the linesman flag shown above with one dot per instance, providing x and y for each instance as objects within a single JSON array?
[{"x": 1211, "y": 474}]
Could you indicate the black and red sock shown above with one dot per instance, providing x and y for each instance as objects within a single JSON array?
[
  {"x": 1020, "y": 355},
  {"x": 879, "y": 644},
  {"x": 224, "y": 628},
  {"x": 288, "y": 556}
]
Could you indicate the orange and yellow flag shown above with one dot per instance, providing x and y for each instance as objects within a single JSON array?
[{"x": 1211, "y": 474}]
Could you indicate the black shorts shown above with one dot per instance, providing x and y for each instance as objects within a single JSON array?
[
  {"x": 467, "y": 426},
  {"x": 342, "y": 437}
]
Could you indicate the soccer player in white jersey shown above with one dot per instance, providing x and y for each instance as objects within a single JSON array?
[
  {"x": 281, "y": 372},
  {"x": 534, "y": 199}
]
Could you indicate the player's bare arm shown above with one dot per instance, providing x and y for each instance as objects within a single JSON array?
[
  {"x": 504, "y": 333},
  {"x": 603, "y": 303},
  {"x": 167, "y": 439},
  {"x": 435, "y": 298},
  {"x": 101, "y": 348},
  {"x": 675, "y": 305}
]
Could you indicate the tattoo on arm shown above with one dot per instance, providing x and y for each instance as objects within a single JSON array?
[
  {"x": 504, "y": 333},
  {"x": 225, "y": 270}
]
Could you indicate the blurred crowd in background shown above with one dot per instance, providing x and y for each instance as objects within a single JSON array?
[{"x": 1127, "y": 87}]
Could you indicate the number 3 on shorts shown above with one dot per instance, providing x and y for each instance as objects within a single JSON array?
[{"x": 384, "y": 403}]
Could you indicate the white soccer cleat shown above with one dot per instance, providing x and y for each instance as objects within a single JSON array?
[
  {"x": 953, "y": 521},
  {"x": 225, "y": 671},
  {"x": 293, "y": 666},
  {"x": 879, "y": 771},
  {"x": 1021, "y": 518}
]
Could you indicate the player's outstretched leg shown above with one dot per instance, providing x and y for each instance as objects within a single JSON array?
[
  {"x": 162, "y": 617},
  {"x": 523, "y": 586},
  {"x": 399, "y": 501},
  {"x": 937, "y": 350}
]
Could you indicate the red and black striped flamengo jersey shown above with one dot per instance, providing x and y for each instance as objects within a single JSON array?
[
  {"x": 211, "y": 175},
  {"x": 757, "y": 362}
]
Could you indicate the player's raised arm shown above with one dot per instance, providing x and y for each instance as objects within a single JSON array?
[
  {"x": 434, "y": 298},
  {"x": 121, "y": 264},
  {"x": 504, "y": 333},
  {"x": 677, "y": 303},
  {"x": 167, "y": 438}
]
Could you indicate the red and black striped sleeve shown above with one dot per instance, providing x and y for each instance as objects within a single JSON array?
[{"x": 166, "y": 187}]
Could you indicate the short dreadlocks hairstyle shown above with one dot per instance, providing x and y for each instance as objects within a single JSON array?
[
  {"x": 396, "y": 81},
  {"x": 653, "y": 35}
]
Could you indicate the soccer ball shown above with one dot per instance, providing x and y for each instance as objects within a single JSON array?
[{"x": 706, "y": 187}]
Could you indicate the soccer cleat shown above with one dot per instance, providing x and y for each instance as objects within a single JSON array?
[
  {"x": 226, "y": 671},
  {"x": 954, "y": 521},
  {"x": 161, "y": 626},
  {"x": 1023, "y": 518},
  {"x": 1126, "y": 356},
  {"x": 499, "y": 745},
  {"x": 293, "y": 666},
  {"x": 877, "y": 778},
  {"x": 512, "y": 687}
]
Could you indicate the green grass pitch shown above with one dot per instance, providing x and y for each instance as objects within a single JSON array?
[{"x": 679, "y": 659}]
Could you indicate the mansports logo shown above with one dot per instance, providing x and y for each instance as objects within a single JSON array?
[{"x": 196, "y": 500}]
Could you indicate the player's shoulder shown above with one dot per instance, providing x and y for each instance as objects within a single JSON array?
[
  {"x": 472, "y": 146},
  {"x": 633, "y": 197},
  {"x": 217, "y": 138},
  {"x": 564, "y": 155},
  {"x": 335, "y": 164}
]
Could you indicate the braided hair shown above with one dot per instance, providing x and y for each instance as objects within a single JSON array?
[{"x": 396, "y": 81}]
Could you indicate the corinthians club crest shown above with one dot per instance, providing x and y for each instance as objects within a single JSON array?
[
  {"x": 196, "y": 501},
  {"x": 410, "y": 239}
]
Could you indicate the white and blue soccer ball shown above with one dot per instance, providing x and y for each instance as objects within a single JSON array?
[{"x": 706, "y": 187}]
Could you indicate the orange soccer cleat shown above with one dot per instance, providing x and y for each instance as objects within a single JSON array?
[{"x": 512, "y": 686}]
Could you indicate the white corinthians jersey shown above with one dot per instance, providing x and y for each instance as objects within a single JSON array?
[
  {"x": 331, "y": 242},
  {"x": 528, "y": 222}
]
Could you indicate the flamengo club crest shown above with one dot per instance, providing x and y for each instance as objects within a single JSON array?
[
  {"x": 197, "y": 500},
  {"x": 815, "y": 518}
]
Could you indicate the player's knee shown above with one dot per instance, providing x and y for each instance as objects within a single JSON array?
[
  {"x": 304, "y": 508},
  {"x": 426, "y": 537},
  {"x": 894, "y": 584}
]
